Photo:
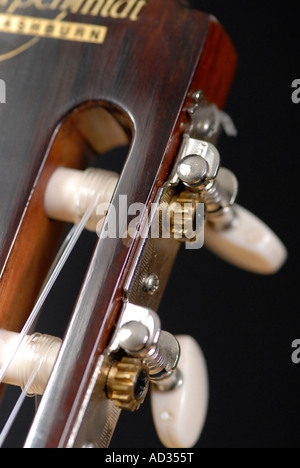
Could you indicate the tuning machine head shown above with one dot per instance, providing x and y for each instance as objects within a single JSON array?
[
  {"x": 231, "y": 232},
  {"x": 176, "y": 369}
]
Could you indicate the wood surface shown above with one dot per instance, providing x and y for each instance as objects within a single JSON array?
[{"x": 144, "y": 76}]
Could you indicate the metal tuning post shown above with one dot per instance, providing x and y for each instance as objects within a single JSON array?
[
  {"x": 139, "y": 335},
  {"x": 175, "y": 367}
]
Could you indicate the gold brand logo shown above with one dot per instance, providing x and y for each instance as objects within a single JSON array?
[
  {"x": 56, "y": 29},
  {"x": 13, "y": 22}
]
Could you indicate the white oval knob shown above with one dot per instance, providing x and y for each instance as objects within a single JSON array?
[
  {"x": 249, "y": 244},
  {"x": 179, "y": 414}
]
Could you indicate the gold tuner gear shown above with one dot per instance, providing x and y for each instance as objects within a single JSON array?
[
  {"x": 127, "y": 383},
  {"x": 182, "y": 209}
]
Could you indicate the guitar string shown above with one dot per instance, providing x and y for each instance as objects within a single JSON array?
[
  {"x": 18, "y": 405},
  {"x": 56, "y": 268}
]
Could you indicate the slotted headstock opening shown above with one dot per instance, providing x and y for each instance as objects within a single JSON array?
[{"x": 91, "y": 130}]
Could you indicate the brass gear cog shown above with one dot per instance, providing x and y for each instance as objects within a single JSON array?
[
  {"x": 182, "y": 209},
  {"x": 127, "y": 383}
]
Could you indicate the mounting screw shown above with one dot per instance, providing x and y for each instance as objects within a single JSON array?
[
  {"x": 150, "y": 283},
  {"x": 198, "y": 95}
]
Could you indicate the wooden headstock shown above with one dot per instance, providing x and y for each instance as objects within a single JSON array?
[{"x": 83, "y": 77}]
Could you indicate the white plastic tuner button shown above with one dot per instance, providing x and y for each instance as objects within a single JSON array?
[
  {"x": 248, "y": 244},
  {"x": 179, "y": 413}
]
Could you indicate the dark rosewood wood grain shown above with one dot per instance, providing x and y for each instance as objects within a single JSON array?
[
  {"x": 53, "y": 77},
  {"x": 146, "y": 72}
]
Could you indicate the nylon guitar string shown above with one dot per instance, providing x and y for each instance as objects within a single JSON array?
[{"x": 55, "y": 270}]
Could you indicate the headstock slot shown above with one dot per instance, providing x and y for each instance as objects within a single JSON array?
[{"x": 92, "y": 129}]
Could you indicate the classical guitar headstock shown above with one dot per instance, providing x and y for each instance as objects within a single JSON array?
[{"x": 82, "y": 78}]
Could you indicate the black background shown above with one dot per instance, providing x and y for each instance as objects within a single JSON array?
[{"x": 244, "y": 323}]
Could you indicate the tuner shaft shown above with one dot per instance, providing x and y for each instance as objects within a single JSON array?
[
  {"x": 70, "y": 193},
  {"x": 216, "y": 187}
]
